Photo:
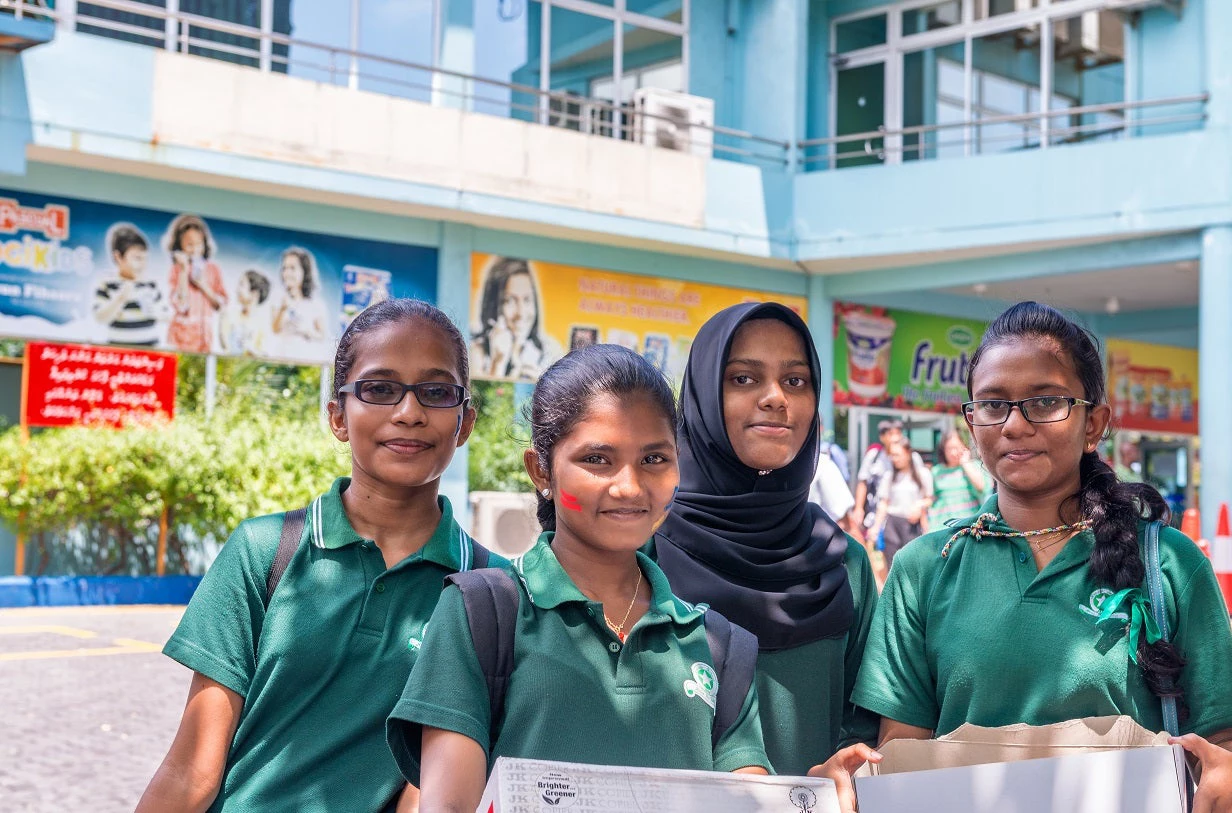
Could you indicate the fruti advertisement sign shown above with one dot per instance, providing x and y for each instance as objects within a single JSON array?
[
  {"x": 1153, "y": 387},
  {"x": 886, "y": 357},
  {"x": 526, "y": 314}
]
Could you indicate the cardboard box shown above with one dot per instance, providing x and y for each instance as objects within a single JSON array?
[
  {"x": 1093, "y": 765},
  {"x": 534, "y": 786}
]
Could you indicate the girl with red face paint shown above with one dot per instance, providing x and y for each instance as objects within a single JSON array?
[{"x": 609, "y": 666}]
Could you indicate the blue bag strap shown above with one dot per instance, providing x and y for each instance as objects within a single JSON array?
[{"x": 1155, "y": 589}]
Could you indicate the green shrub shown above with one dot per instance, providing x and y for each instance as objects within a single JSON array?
[{"x": 494, "y": 459}]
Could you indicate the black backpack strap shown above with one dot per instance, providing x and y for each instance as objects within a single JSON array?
[
  {"x": 292, "y": 530},
  {"x": 734, "y": 650},
  {"x": 491, "y": 599},
  {"x": 480, "y": 556}
]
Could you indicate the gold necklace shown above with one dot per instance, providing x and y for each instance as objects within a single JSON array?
[
  {"x": 619, "y": 629},
  {"x": 1041, "y": 548}
]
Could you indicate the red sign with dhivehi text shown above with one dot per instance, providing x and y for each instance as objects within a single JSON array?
[{"x": 80, "y": 385}]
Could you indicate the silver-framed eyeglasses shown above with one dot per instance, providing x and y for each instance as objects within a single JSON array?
[
  {"x": 431, "y": 394},
  {"x": 1040, "y": 409}
]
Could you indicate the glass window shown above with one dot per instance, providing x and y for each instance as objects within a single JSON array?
[
  {"x": 324, "y": 24},
  {"x": 863, "y": 33},
  {"x": 995, "y": 8},
  {"x": 932, "y": 17},
  {"x": 1088, "y": 69},
  {"x": 664, "y": 9},
  {"x": 655, "y": 59},
  {"x": 1006, "y": 68},
  {"x": 582, "y": 48},
  {"x": 401, "y": 30},
  {"x": 503, "y": 31},
  {"x": 128, "y": 26},
  {"x": 929, "y": 83}
]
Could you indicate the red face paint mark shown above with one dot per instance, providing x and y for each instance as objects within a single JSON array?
[{"x": 569, "y": 501}]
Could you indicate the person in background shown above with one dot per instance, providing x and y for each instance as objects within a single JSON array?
[
  {"x": 959, "y": 482},
  {"x": 836, "y": 453},
  {"x": 829, "y": 489},
  {"x": 197, "y": 291},
  {"x": 511, "y": 341},
  {"x": 872, "y": 471},
  {"x": 300, "y": 314},
  {"x": 128, "y": 304},
  {"x": 904, "y": 495}
]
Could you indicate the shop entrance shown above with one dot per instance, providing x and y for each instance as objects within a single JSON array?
[{"x": 1166, "y": 462}]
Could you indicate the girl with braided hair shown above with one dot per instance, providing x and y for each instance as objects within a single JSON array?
[{"x": 1035, "y": 609}]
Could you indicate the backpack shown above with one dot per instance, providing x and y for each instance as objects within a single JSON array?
[
  {"x": 491, "y": 600},
  {"x": 288, "y": 541}
]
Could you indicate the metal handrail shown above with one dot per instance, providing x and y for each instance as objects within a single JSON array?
[
  {"x": 1033, "y": 120},
  {"x": 184, "y": 22}
]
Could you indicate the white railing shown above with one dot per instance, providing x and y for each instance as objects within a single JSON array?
[
  {"x": 268, "y": 50},
  {"x": 1034, "y": 130}
]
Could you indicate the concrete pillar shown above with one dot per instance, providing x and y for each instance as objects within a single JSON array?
[
  {"x": 453, "y": 296},
  {"x": 821, "y": 324},
  {"x": 1215, "y": 373}
]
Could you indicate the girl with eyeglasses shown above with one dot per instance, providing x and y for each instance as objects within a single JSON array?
[
  {"x": 293, "y": 677},
  {"x": 1036, "y": 608}
]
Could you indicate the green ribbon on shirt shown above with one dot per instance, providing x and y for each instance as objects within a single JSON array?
[{"x": 1140, "y": 616}]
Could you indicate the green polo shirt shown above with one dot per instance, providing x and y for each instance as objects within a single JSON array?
[
  {"x": 804, "y": 692},
  {"x": 806, "y": 713},
  {"x": 981, "y": 636},
  {"x": 577, "y": 693},
  {"x": 321, "y": 668}
]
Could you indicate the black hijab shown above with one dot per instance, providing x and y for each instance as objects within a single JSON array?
[{"x": 752, "y": 546}]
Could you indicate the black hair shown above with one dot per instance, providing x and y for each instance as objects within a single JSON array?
[
  {"x": 912, "y": 469},
  {"x": 949, "y": 434},
  {"x": 393, "y": 311},
  {"x": 126, "y": 236},
  {"x": 259, "y": 283},
  {"x": 184, "y": 223},
  {"x": 494, "y": 291},
  {"x": 306, "y": 262},
  {"x": 565, "y": 391},
  {"x": 1113, "y": 507}
]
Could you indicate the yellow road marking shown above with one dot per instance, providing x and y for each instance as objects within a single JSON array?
[
  {"x": 128, "y": 646},
  {"x": 54, "y": 629}
]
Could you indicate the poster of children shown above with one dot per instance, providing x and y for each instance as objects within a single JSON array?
[
  {"x": 525, "y": 314},
  {"x": 74, "y": 270}
]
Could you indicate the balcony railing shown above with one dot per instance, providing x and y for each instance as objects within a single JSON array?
[
  {"x": 1033, "y": 130},
  {"x": 266, "y": 50}
]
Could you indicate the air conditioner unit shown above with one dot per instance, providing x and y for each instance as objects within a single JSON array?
[
  {"x": 674, "y": 121},
  {"x": 1094, "y": 38},
  {"x": 504, "y": 523}
]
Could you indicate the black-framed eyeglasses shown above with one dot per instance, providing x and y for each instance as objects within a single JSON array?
[
  {"x": 432, "y": 394},
  {"x": 1040, "y": 409}
]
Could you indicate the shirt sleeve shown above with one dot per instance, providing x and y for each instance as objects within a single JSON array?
[
  {"x": 743, "y": 745},
  {"x": 866, "y": 466},
  {"x": 446, "y": 688},
  {"x": 831, "y": 489},
  {"x": 218, "y": 633},
  {"x": 859, "y": 724},
  {"x": 1205, "y": 640},
  {"x": 895, "y": 680}
]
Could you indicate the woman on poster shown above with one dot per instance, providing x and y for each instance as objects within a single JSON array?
[
  {"x": 299, "y": 317},
  {"x": 510, "y": 341}
]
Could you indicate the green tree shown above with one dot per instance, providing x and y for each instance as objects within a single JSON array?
[{"x": 494, "y": 462}]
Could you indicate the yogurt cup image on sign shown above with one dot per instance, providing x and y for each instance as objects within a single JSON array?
[{"x": 869, "y": 339}]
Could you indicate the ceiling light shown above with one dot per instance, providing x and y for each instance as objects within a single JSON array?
[
  {"x": 980, "y": 288},
  {"x": 1113, "y": 305}
]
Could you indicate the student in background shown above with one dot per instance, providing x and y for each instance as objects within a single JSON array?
[
  {"x": 128, "y": 304},
  {"x": 1035, "y": 608},
  {"x": 959, "y": 483},
  {"x": 609, "y": 667},
  {"x": 291, "y": 687},
  {"x": 904, "y": 495}
]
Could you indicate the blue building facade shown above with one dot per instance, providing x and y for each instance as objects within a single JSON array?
[{"x": 936, "y": 158}]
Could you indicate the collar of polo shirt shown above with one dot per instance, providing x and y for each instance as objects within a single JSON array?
[
  {"x": 549, "y": 586},
  {"x": 329, "y": 528}
]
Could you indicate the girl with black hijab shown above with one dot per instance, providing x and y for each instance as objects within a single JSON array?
[{"x": 743, "y": 537}]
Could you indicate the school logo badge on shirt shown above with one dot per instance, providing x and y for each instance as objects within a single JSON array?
[
  {"x": 1096, "y": 602},
  {"x": 705, "y": 684}
]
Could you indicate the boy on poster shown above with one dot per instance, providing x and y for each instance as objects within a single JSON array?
[{"x": 131, "y": 307}]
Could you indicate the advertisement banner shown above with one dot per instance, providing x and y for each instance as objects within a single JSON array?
[
  {"x": 1153, "y": 388},
  {"x": 73, "y": 270},
  {"x": 886, "y": 357},
  {"x": 526, "y": 314},
  {"x": 78, "y": 385}
]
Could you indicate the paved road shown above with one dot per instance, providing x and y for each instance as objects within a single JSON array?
[{"x": 88, "y": 705}]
